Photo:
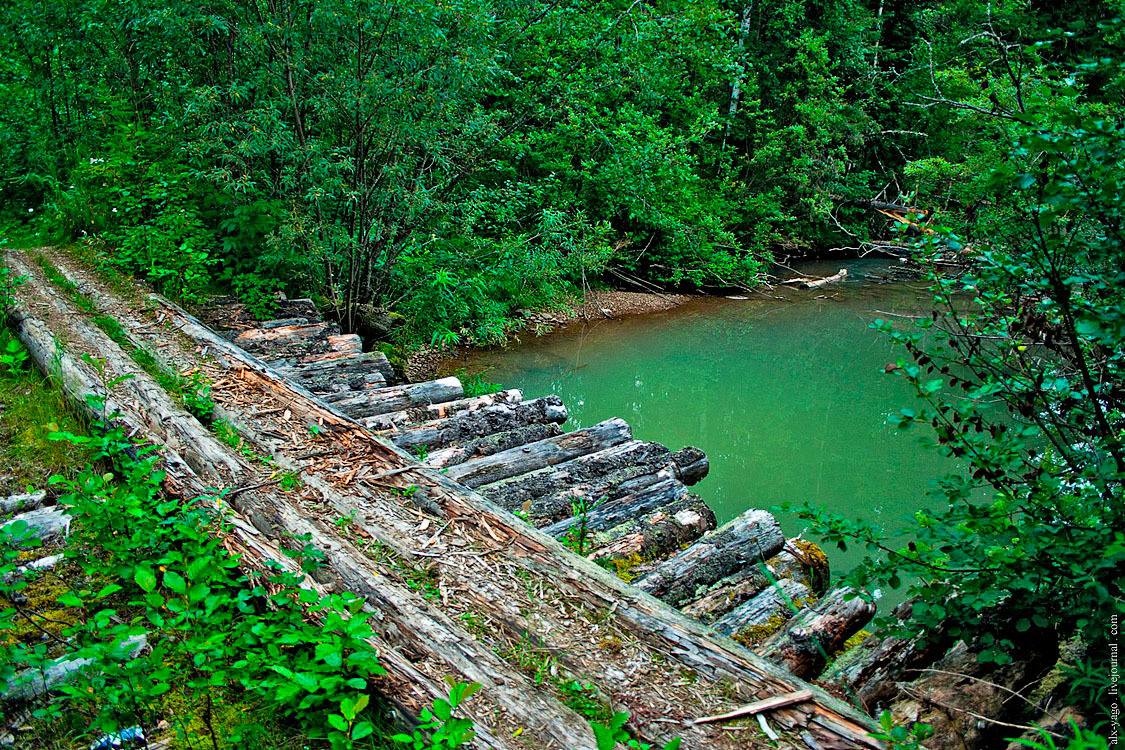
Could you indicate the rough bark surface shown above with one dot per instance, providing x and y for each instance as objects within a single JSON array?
[
  {"x": 813, "y": 635},
  {"x": 752, "y": 537},
  {"x": 758, "y": 618}
]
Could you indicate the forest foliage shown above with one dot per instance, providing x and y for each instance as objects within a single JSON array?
[{"x": 459, "y": 162}]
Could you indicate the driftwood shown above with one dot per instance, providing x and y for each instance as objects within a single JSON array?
[
  {"x": 816, "y": 633},
  {"x": 757, "y": 618},
  {"x": 397, "y": 419},
  {"x": 808, "y": 282},
  {"x": 728, "y": 593},
  {"x": 469, "y": 425},
  {"x": 25, "y": 501},
  {"x": 753, "y": 536},
  {"x": 543, "y": 453},
  {"x": 655, "y": 534},
  {"x": 359, "y": 404},
  {"x": 489, "y": 445}
]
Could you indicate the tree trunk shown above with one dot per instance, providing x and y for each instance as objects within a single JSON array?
[
  {"x": 490, "y": 445},
  {"x": 396, "y": 398},
  {"x": 728, "y": 593},
  {"x": 468, "y": 425},
  {"x": 655, "y": 534},
  {"x": 400, "y": 419}
]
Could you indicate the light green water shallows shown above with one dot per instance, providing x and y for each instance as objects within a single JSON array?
[{"x": 786, "y": 394}]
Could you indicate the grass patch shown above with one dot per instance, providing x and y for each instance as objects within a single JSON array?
[{"x": 31, "y": 407}]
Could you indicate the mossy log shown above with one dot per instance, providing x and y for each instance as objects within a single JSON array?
[
  {"x": 753, "y": 536},
  {"x": 359, "y": 404},
  {"x": 541, "y": 454},
  {"x": 723, "y": 596},
  {"x": 656, "y": 534},
  {"x": 811, "y": 638},
  {"x": 805, "y": 562},
  {"x": 472, "y": 424},
  {"x": 32, "y": 683},
  {"x": 756, "y": 619},
  {"x": 399, "y": 419},
  {"x": 691, "y": 465},
  {"x": 872, "y": 670}
]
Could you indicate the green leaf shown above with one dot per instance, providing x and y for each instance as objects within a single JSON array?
[
  {"x": 175, "y": 582},
  {"x": 145, "y": 578}
]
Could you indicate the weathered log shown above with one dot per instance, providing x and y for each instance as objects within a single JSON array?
[
  {"x": 340, "y": 373},
  {"x": 803, "y": 561},
  {"x": 728, "y": 593},
  {"x": 962, "y": 699},
  {"x": 489, "y": 445},
  {"x": 872, "y": 670},
  {"x": 32, "y": 683},
  {"x": 538, "y": 455},
  {"x": 811, "y": 638},
  {"x": 546, "y": 494},
  {"x": 405, "y": 620},
  {"x": 347, "y": 343},
  {"x": 374, "y": 358},
  {"x": 45, "y": 524},
  {"x": 758, "y": 618},
  {"x": 620, "y": 510},
  {"x": 21, "y": 502},
  {"x": 399, "y": 419},
  {"x": 654, "y": 535},
  {"x": 753, "y": 536},
  {"x": 691, "y": 465},
  {"x": 273, "y": 340},
  {"x": 283, "y": 322},
  {"x": 359, "y": 404},
  {"x": 469, "y": 425}
]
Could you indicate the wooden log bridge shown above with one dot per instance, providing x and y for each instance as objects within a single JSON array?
[{"x": 417, "y": 494}]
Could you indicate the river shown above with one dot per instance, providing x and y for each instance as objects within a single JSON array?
[{"x": 785, "y": 391}]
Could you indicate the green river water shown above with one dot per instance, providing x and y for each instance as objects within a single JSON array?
[{"x": 785, "y": 392}]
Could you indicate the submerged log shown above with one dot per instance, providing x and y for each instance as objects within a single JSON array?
[
  {"x": 728, "y": 593},
  {"x": 654, "y": 535},
  {"x": 541, "y": 454},
  {"x": 547, "y": 493},
  {"x": 753, "y": 536},
  {"x": 811, "y": 638},
  {"x": 756, "y": 619},
  {"x": 399, "y": 419},
  {"x": 469, "y": 425},
  {"x": 396, "y": 398}
]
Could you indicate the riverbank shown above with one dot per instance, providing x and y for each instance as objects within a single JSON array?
[{"x": 605, "y": 304}]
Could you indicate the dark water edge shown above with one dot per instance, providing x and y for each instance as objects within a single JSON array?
[{"x": 785, "y": 391}]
